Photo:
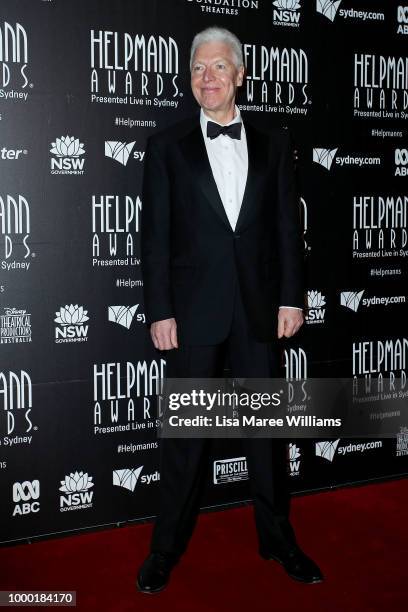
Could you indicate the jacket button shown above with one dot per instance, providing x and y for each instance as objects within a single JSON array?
[{"x": 237, "y": 236}]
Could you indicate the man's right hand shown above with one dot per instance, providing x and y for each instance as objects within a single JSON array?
[{"x": 164, "y": 334}]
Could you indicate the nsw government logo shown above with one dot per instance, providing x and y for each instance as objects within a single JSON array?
[
  {"x": 67, "y": 152},
  {"x": 315, "y": 307},
  {"x": 286, "y": 13},
  {"x": 294, "y": 459},
  {"x": 71, "y": 328},
  {"x": 76, "y": 492},
  {"x": 15, "y": 326}
]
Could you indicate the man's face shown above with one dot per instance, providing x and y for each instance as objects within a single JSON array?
[{"x": 215, "y": 77}]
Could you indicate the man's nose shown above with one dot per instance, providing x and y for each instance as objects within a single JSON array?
[{"x": 208, "y": 74}]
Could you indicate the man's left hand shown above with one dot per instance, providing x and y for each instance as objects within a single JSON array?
[{"x": 290, "y": 320}]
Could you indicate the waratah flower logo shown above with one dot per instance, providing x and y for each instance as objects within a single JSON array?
[
  {"x": 76, "y": 482},
  {"x": 294, "y": 452},
  {"x": 315, "y": 299},
  {"x": 287, "y": 5},
  {"x": 67, "y": 146},
  {"x": 71, "y": 315}
]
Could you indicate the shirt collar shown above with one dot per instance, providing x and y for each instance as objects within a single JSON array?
[{"x": 204, "y": 119}]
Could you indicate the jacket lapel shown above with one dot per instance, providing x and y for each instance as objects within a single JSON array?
[
  {"x": 194, "y": 151},
  {"x": 193, "y": 148},
  {"x": 257, "y": 163}
]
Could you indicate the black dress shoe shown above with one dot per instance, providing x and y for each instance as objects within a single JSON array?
[
  {"x": 296, "y": 564},
  {"x": 155, "y": 572}
]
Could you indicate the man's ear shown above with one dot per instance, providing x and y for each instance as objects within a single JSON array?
[{"x": 240, "y": 77}]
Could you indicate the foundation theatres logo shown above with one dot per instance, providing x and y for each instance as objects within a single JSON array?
[
  {"x": 124, "y": 315},
  {"x": 25, "y": 497},
  {"x": 15, "y": 326},
  {"x": 115, "y": 224},
  {"x": 70, "y": 326},
  {"x": 380, "y": 86},
  {"x": 326, "y": 158},
  {"x": 15, "y": 227},
  {"x": 379, "y": 227},
  {"x": 224, "y": 7},
  {"x": 14, "y": 79},
  {"x": 126, "y": 394},
  {"x": 331, "y": 8},
  {"x": 128, "y": 478},
  {"x": 134, "y": 69},
  {"x": 67, "y": 156},
  {"x": 230, "y": 470},
  {"x": 16, "y": 404},
  {"x": 277, "y": 80},
  {"x": 294, "y": 459},
  {"x": 121, "y": 151},
  {"x": 316, "y": 310},
  {"x": 76, "y": 492}
]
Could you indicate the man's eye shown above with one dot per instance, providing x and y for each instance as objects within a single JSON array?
[
  {"x": 197, "y": 68},
  {"x": 221, "y": 66}
]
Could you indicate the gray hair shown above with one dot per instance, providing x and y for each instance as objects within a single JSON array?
[{"x": 222, "y": 35}]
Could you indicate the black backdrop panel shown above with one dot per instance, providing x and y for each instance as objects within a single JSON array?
[{"x": 82, "y": 85}]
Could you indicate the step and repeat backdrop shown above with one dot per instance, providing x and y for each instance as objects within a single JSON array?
[{"x": 82, "y": 86}]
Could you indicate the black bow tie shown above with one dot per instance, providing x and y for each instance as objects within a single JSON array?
[{"x": 233, "y": 130}]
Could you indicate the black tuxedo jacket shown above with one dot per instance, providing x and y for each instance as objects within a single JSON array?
[{"x": 193, "y": 261}]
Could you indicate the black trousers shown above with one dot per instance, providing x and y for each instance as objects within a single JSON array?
[{"x": 183, "y": 462}]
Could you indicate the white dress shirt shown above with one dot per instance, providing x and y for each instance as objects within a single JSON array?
[
  {"x": 229, "y": 164},
  {"x": 228, "y": 159}
]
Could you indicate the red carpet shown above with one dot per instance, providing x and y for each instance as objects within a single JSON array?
[{"x": 357, "y": 535}]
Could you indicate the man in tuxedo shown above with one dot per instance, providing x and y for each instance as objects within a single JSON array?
[{"x": 222, "y": 274}]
